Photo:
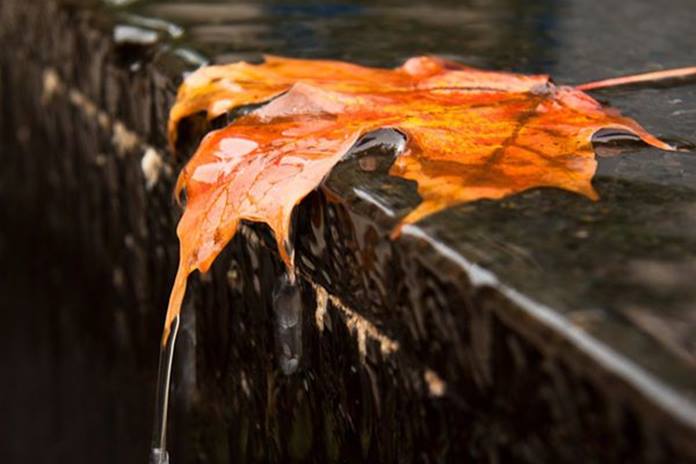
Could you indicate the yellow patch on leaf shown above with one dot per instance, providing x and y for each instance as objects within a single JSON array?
[{"x": 472, "y": 134}]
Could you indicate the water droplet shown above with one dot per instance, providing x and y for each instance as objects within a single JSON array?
[
  {"x": 287, "y": 306},
  {"x": 613, "y": 138},
  {"x": 158, "y": 456}
]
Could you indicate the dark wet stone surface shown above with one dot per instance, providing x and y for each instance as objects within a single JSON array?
[{"x": 521, "y": 385}]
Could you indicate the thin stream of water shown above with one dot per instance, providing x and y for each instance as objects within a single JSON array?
[{"x": 158, "y": 449}]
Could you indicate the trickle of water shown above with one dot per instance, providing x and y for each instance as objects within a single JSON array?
[
  {"x": 158, "y": 450},
  {"x": 287, "y": 306}
]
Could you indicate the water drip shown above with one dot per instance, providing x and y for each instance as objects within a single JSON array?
[
  {"x": 158, "y": 450},
  {"x": 287, "y": 306}
]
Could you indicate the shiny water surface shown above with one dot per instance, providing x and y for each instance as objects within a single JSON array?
[{"x": 573, "y": 40}]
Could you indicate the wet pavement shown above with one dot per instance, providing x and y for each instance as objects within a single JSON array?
[{"x": 609, "y": 284}]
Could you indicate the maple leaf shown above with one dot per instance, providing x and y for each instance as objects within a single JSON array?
[{"x": 471, "y": 134}]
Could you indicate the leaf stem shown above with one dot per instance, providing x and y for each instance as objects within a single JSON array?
[{"x": 639, "y": 78}]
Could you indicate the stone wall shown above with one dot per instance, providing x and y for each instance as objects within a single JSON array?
[{"x": 400, "y": 354}]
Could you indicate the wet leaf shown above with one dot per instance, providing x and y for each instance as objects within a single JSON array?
[{"x": 472, "y": 134}]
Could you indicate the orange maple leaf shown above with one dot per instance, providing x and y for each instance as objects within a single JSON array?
[{"x": 471, "y": 134}]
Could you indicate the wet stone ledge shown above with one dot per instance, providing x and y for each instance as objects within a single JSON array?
[{"x": 541, "y": 328}]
